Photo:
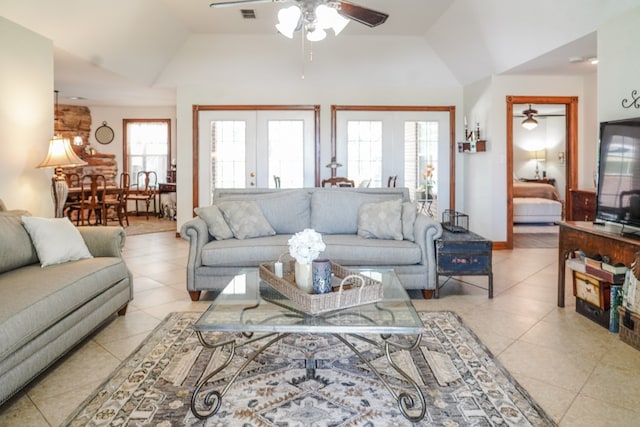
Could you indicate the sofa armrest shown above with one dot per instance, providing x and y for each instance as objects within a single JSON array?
[
  {"x": 104, "y": 241},
  {"x": 197, "y": 233},
  {"x": 426, "y": 231}
]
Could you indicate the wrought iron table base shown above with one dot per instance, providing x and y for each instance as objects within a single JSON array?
[{"x": 207, "y": 403}]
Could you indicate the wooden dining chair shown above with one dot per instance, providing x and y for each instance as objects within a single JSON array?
[
  {"x": 73, "y": 181},
  {"x": 145, "y": 189},
  {"x": 391, "y": 182},
  {"x": 90, "y": 209},
  {"x": 116, "y": 205},
  {"x": 338, "y": 182}
]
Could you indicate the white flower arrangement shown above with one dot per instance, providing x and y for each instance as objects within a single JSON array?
[{"x": 306, "y": 245}]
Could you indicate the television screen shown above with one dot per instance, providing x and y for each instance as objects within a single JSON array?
[{"x": 618, "y": 192}]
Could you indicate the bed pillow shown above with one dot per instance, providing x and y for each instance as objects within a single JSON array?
[
  {"x": 216, "y": 223},
  {"x": 245, "y": 219},
  {"x": 56, "y": 240},
  {"x": 381, "y": 220}
]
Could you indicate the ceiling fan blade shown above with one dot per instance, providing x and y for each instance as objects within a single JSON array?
[
  {"x": 238, "y": 2},
  {"x": 363, "y": 15}
]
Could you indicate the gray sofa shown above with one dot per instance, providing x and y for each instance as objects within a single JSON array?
[
  {"x": 333, "y": 212},
  {"x": 46, "y": 311}
]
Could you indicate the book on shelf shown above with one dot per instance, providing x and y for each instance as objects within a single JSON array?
[
  {"x": 595, "y": 263},
  {"x": 615, "y": 269},
  {"x": 604, "y": 275}
]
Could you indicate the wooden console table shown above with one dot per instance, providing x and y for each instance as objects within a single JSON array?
[{"x": 592, "y": 239}]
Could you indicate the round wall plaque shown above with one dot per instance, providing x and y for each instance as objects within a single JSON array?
[{"x": 104, "y": 134}]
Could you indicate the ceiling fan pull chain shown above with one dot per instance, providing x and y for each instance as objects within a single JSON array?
[{"x": 303, "y": 55}]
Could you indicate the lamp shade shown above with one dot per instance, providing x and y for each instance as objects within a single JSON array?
[{"x": 60, "y": 154}]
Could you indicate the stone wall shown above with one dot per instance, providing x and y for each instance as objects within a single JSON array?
[{"x": 73, "y": 121}]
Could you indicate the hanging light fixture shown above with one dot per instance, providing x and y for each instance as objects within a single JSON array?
[
  {"x": 314, "y": 16},
  {"x": 529, "y": 123}
]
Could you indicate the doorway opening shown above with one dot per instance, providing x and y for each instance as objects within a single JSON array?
[{"x": 539, "y": 153}]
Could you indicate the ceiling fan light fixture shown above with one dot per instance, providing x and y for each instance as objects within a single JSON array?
[
  {"x": 288, "y": 19},
  {"x": 316, "y": 35},
  {"x": 328, "y": 17},
  {"x": 529, "y": 123}
]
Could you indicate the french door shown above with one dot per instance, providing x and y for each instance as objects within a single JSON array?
[
  {"x": 251, "y": 148},
  {"x": 412, "y": 145}
]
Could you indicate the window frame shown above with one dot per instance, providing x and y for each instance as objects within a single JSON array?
[{"x": 125, "y": 146}]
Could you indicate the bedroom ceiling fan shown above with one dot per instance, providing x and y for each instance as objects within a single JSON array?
[
  {"x": 530, "y": 123},
  {"x": 316, "y": 16}
]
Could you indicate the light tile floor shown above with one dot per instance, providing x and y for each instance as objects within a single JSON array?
[{"x": 581, "y": 374}]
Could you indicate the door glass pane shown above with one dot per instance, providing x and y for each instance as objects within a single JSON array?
[
  {"x": 286, "y": 152},
  {"x": 421, "y": 156},
  {"x": 148, "y": 148},
  {"x": 364, "y": 151},
  {"x": 228, "y": 154}
]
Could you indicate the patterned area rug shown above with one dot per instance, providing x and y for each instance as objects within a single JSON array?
[{"x": 462, "y": 383}]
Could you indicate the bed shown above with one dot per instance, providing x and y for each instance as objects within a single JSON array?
[{"x": 535, "y": 202}]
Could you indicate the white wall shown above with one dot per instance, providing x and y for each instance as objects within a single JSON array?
[
  {"x": 485, "y": 175},
  {"x": 259, "y": 71},
  {"x": 26, "y": 118},
  {"x": 618, "y": 42}
]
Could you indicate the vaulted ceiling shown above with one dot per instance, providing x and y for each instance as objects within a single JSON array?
[{"x": 113, "y": 52}]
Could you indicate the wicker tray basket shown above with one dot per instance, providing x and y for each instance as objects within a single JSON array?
[
  {"x": 350, "y": 289},
  {"x": 629, "y": 327}
]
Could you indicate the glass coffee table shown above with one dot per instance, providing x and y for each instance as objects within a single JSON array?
[{"x": 253, "y": 308}]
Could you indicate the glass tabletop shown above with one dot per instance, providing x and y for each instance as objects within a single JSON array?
[{"x": 248, "y": 304}]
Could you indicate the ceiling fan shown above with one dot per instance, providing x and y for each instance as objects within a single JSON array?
[{"x": 315, "y": 16}]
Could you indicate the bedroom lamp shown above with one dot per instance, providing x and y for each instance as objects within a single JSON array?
[
  {"x": 60, "y": 155},
  {"x": 538, "y": 156}
]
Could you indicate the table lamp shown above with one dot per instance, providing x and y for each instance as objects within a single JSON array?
[{"x": 60, "y": 155}]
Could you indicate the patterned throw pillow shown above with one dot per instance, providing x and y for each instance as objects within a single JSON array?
[
  {"x": 245, "y": 219},
  {"x": 381, "y": 220},
  {"x": 216, "y": 224}
]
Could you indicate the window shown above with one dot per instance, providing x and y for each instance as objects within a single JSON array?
[
  {"x": 146, "y": 146},
  {"x": 421, "y": 155}
]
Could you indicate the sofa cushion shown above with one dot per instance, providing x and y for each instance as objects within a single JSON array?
[
  {"x": 288, "y": 211},
  {"x": 236, "y": 253},
  {"x": 335, "y": 211},
  {"x": 245, "y": 219},
  {"x": 42, "y": 296},
  {"x": 409, "y": 214},
  {"x": 216, "y": 223},
  {"x": 56, "y": 240},
  {"x": 353, "y": 250},
  {"x": 380, "y": 220},
  {"x": 16, "y": 249}
]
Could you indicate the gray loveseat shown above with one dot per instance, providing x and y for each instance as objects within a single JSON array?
[
  {"x": 333, "y": 212},
  {"x": 46, "y": 311}
]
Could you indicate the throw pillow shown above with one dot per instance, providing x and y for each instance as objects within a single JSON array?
[
  {"x": 245, "y": 219},
  {"x": 56, "y": 240},
  {"x": 216, "y": 224},
  {"x": 381, "y": 220},
  {"x": 409, "y": 215}
]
